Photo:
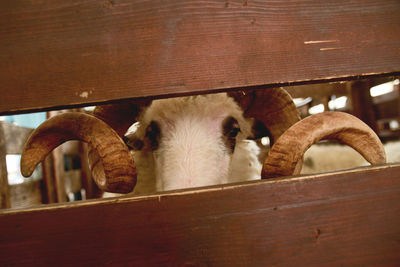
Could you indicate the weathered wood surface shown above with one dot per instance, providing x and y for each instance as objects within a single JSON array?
[
  {"x": 58, "y": 53},
  {"x": 347, "y": 218}
]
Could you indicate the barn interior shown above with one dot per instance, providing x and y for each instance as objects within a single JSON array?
[{"x": 329, "y": 56}]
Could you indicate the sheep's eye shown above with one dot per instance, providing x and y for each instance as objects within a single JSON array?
[
  {"x": 230, "y": 129},
  {"x": 234, "y": 132}
]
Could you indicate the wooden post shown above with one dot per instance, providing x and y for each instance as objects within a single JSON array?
[
  {"x": 59, "y": 174},
  {"x": 57, "y": 158},
  {"x": 396, "y": 87},
  {"x": 49, "y": 190},
  {"x": 4, "y": 187},
  {"x": 361, "y": 103},
  {"x": 325, "y": 102},
  {"x": 92, "y": 191}
]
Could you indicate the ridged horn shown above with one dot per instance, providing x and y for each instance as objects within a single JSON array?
[
  {"x": 274, "y": 107},
  {"x": 116, "y": 162},
  {"x": 291, "y": 146},
  {"x": 119, "y": 117}
]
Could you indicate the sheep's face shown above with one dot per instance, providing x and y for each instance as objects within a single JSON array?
[{"x": 188, "y": 142}]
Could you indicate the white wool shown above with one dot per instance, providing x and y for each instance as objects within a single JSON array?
[
  {"x": 321, "y": 158},
  {"x": 330, "y": 157},
  {"x": 392, "y": 150},
  {"x": 246, "y": 165}
]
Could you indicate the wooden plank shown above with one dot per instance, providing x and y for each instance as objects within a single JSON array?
[
  {"x": 4, "y": 187},
  {"x": 58, "y": 53},
  {"x": 345, "y": 218}
]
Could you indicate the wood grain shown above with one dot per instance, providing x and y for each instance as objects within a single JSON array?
[
  {"x": 346, "y": 218},
  {"x": 4, "y": 187},
  {"x": 58, "y": 53}
]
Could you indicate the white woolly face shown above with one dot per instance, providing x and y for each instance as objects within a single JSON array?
[
  {"x": 186, "y": 142},
  {"x": 191, "y": 154}
]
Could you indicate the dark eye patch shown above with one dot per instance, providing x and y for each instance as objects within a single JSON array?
[
  {"x": 230, "y": 129},
  {"x": 153, "y": 134}
]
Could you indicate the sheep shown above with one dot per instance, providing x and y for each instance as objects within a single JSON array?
[{"x": 196, "y": 140}]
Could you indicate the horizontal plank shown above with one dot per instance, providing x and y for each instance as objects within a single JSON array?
[
  {"x": 345, "y": 218},
  {"x": 68, "y": 53}
]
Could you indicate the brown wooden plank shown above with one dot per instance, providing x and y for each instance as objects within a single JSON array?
[
  {"x": 4, "y": 188},
  {"x": 62, "y": 53},
  {"x": 347, "y": 218}
]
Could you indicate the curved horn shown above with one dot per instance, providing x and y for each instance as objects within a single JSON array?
[
  {"x": 291, "y": 146},
  {"x": 116, "y": 163},
  {"x": 273, "y": 106}
]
